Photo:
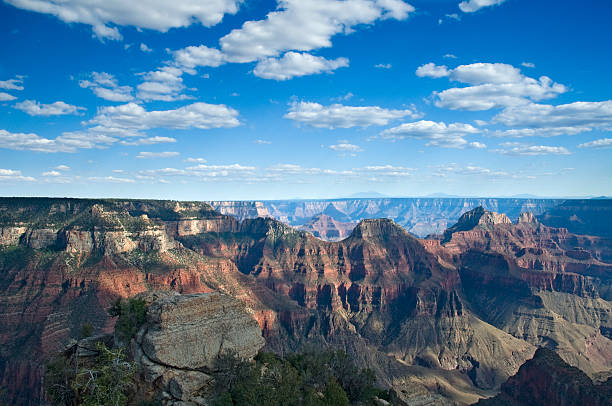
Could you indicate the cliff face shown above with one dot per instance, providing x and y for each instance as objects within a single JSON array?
[
  {"x": 327, "y": 228},
  {"x": 433, "y": 318},
  {"x": 548, "y": 380},
  {"x": 420, "y": 216},
  {"x": 176, "y": 348}
]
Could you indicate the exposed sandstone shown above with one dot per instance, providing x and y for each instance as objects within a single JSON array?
[{"x": 185, "y": 334}]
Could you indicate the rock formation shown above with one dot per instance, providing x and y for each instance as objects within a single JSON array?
[
  {"x": 547, "y": 380},
  {"x": 327, "y": 228},
  {"x": 177, "y": 347}
]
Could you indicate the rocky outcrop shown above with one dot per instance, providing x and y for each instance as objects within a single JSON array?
[
  {"x": 327, "y": 228},
  {"x": 184, "y": 335},
  {"x": 547, "y": 380}
]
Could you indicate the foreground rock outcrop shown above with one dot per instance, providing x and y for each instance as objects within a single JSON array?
[{"x": 177, "y": 347}]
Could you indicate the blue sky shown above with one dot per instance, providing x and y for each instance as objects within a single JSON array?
[{"x": 228, "y": 99}]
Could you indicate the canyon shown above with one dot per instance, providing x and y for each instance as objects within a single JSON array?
[
  {"x": 420, "y": 216},
  {"x": 444, "y": 319}
]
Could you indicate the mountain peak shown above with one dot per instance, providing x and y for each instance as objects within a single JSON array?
[
  {"x": 477, "y": 218},
  {"x": 378, "y": 228}
]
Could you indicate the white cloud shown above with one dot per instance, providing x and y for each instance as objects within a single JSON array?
[
  {"x": 528, "y": 65},
  {"x": 346, "y": 148},
  {"x": 149, "y": 141},
  {"x": 515, "y": 148},
  {"x": 13, "y": 175},
  {"x": 601, "y": 143},
  {"x": 340, "y": 116},
  {"x": 198, "y": 160},
  {"x": 437, "y": 134},
  {"x": 477, "y": 145},
  {"x": 145, "y": 48},
  {"x": 450, "y": 56},
  {"x": 12, "y": 84},
  {"x": 431, "y": 70},
  {"x": 305, "y": 25},
  {"x": 134, "y": 117},
  {"x": 68, "y": 142},
  {"x": 491, "y": 85},
  {"x": 105, "y": 86},
  {"x": 165, "y": 154},
  {"x": 164, "y": 84},
  {"x": 52, "y": 173},
  {"x": 62, "y": 167},
  {"x": 471, "y": 6},
  {"x": 192, "y": 57},
  {"x": 294, "y": 64},
  {"x": 113, "y": 124},
  {"x": 383, "y": 66},
  {"x": 59, "y": 108},
  {"x": 263, "y": 142},
  {"x": 6, "y": 97},
  {"x": 111, "y": 179},
  {"x": 160, "y": 15},
  {"x": 585, "y": 115}
]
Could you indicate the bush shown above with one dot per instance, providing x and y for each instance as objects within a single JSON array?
[
  {"x": 86, "y": 330},
  {"x": 132, "y": 315},
  {"x": 108, "y": 381},
  {"x": 308, "y": 379}
]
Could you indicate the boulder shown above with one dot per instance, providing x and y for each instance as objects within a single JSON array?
[{"x": 190, "y": 331}]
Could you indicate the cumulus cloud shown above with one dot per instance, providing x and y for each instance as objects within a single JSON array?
[
  {"x": 492, "y": 85},
  {"x": 106, "y": 86},
  {"x": 52, "y": 173},
  {"x": 305, "y": 25},
  {"x": 165, "y": 154},
  {"x": 528, "y": 65},
  {"x": 164, "y": 84},
  {"x": 346, "y": 148},
  {"x": 601, "y": 143},
  {"x": 157, "y": 15},
  {"x": 296, "y": 25},
  {"x": 431, "y": 70},
  {"x": 383, "y": 66},
  {"x": 341, "y": 116},
  {"x": 134, "y": 117},
  {"x": 62, "y": 167},
  {"x": 515, "y": 148},
  {"x": 436, "y": 133},
  {"x": 6, "y": 97},
  {"x": 59, "y": 108},
  {"x": 471, "y": 6},
  {"x": 192, "y": 57},
  {"x": 115, "y": 123},
  {"x": 586, "y": 115},
  {"x": 12, "y": 84},
  {"x": 294, "y": 64},
  {"x": 7, "y": 175},
  {"x": 145, "y": 48}
]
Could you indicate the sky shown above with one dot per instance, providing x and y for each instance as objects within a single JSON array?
[{"x": 257, "y": 99}]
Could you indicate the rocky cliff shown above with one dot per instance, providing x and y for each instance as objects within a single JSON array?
[
  {"x": 438, "y": 320},
  {"x": 176, "y": 349},
  {"x": 420, "y": 216},
  {"x": 548, "y": 380}
]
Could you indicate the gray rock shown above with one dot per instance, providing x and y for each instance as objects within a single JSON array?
[
  {"x": 186, "y": 383},
  {"x": 190, "y": 331}
]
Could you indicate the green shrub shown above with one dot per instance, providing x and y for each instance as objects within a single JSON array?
[
  {"x": 132, "y": 315},
  {"x": 86, "y": 330}
]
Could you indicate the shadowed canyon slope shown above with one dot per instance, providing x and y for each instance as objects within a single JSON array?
[{"x": 445, "y": 319}]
